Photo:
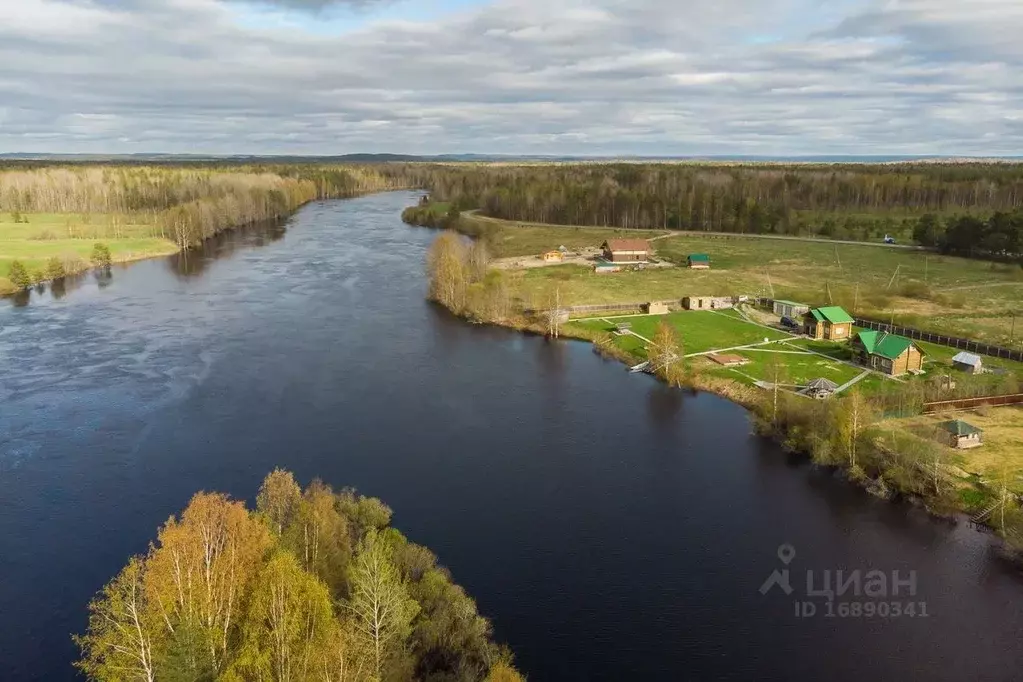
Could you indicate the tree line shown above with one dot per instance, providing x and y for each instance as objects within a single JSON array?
[
  {"x": 312, "y": 585},
  {"x": 998, "y": 237},
  {"x": 184, "y": 204},
  {"x": 839, "y": 201}
]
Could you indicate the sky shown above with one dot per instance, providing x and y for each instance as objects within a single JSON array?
[{"x": 520, "y": 77}]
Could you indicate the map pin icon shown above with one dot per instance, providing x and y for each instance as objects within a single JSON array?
[{"x": 786, "y": 553}]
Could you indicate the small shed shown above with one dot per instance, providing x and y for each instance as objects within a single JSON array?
[
  {"x": 820, "y": 388},
  {"x": 552, "y": 257},
  {"x": 790, "y": 309},
  {"x": 968, "y": 362},
  {"x": 707, "y": 302},
  {"x": 699, "y": 261},
  {"x": 962, "y": 435},
  {"x": 656, "y": 308},
  {"x": 626, "y": 250}
]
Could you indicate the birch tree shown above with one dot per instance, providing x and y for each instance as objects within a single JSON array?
[
  {"x": 666, "y": 355},
  {"x": 123, "y": 632},
  {"x": 278, "y": 498},
  {"x": 202, "y": 567},
  {"x": 289, "y": 625},
  {"x": 380, "y": 605}
]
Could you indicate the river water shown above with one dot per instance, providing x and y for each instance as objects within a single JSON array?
[{"x": 612, "y": 529}]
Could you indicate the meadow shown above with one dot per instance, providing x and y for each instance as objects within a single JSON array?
[{"x": 964, "y": 297}]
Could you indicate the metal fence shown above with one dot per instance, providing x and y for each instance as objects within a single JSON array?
[
  {"x": 941, "y": 339},
  {"x": 920, "y": 335}
]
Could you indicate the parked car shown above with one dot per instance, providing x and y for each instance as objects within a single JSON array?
[{"x": 789, "y": 322}]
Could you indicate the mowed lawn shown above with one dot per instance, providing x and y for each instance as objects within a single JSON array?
[
  {"x": 699, "y": 331},
  {"x": 793, "y": 367}
]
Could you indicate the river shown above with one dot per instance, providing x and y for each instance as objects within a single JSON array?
[{"x": 611, "y": 528}]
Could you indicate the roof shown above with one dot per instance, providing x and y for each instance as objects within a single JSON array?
[
  {"x": 957, "y": 427},
  {"x": 699, "y": 257},
  {"x": 965, "y": 358},
  {"x": 822, "y": 384},
  {"x": 886, "y": 345},
  {"x": 784, "y": 302},
  {"x": 833, "y": 314},
  {"x": 627, "y": 244}
]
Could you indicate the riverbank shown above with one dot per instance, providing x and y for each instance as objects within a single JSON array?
[
  {"x": 857, "y": 432},
  {"x": 53, "y": 218}
]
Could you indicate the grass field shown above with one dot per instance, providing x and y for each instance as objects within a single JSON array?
[
  {"x": 796, "y": 369},
  {"x": 971, "y": 298},
  {"x": 1002, "y": 451},
  {"x": 699, "y": 331},
  {"x": 71, "y": 238}
]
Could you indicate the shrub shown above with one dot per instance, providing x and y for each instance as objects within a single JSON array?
[
  {"x": 101, "y": 255},
  {"x": 18, "y": 275},
  {"x": 55, "y": 268}
]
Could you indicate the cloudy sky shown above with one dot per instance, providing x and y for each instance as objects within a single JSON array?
[{"x": 596, "y": 77}]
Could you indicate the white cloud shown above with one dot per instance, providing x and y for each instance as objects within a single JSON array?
[{"x": 517, "y": 76}]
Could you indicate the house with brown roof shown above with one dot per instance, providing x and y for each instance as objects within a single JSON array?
[
  {"x": 888, "y": 353},
  {"x": 626, "y": 250}
]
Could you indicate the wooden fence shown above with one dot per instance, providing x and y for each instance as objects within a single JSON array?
[
  {"x": 969, "y": 403},
  {"x": 606, "y": 307}
]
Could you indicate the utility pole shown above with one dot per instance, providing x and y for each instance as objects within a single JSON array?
[{"x": 856, "y": 298}]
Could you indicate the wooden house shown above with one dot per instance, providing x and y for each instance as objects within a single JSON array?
[
  {"x": 968, "y": 362},
  {"x": 831, "y": 323},
  {"x": 888, "y": 353},
  {"x": 962, "y": 435},
  {"x": 626, "y": 250},
  {"x": 552, "y": 257},
  {"x": 698, "y": 261},
  {"x": 790, "y": 309}
]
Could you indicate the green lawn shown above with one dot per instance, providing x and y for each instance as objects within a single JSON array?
[
  {"x": 71, "y": 237},
  {"x": 699, "y": 331},
  {"x": 795, "y": 369}
]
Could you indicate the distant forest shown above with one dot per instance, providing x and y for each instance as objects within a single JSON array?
[{"x": 965, "y": 209}]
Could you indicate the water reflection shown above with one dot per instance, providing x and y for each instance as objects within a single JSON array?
[{"x": 193, "y": 262}]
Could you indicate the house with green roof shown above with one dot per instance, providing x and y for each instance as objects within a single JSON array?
[
  {"x": 831, "y": 323},
  {"x": 888, "y": 353},
  {"x": 699, "y": 261},
  {"x": 962, "y": 435}
]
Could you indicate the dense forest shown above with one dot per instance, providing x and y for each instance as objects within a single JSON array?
[
  {"x": 313, "y": 585},
  {"x": 863, "y": 202}
]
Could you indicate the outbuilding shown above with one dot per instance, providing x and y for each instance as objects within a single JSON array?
[
  {"x": 968, "y": 362},
  {"x": 831, "y": 323},
  {"x": 626, "y": 250},
  {"x": 656, "y": 308},
  {"x": 820, "y": 388},
  {"x": 707, "y": 302},
  {"x": 962, "y": 435},
  {"x": 888, "y": 353},
  {"x": 699, "y": 261},
  {"x": 790, "y": 309}
]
